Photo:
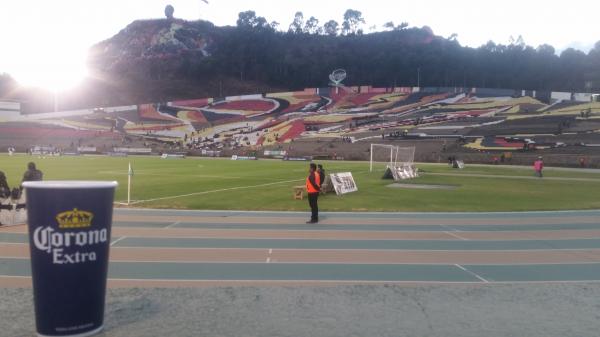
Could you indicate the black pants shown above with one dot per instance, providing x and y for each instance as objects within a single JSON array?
[{"x": 314, "y": 207}]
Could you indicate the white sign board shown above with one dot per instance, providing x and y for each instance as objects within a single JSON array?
[
  {"x": 402, "y": 172},
  {"x": 343, "y": 183},
  {"x": 87, "y": 149},
  {"x": 132, "y": 150}
]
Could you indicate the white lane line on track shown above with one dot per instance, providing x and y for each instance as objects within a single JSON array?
[
  {"x": 13, "y": 225},
  {"x": 216, "y": 191},
  {"x": 200, "y": 281},
  {"x": 452, "y": 229},
  {"x": 472, "y": 273},
  {"x": 393, "y": 215},
  {"x": 117, "y": 240},
  {"x": 270, "y": 251},
  {"x": 179, "y": 262},
  {"x": 268, "y": 260},
  {"x": 172, "y": 225},
  {"x": 456, "y": 236},
  {"x": 452, "y": 232}
]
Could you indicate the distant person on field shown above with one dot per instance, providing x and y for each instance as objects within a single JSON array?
[
  {"x": 538, "y": 166},
  {"x": 313, "y": 187},
  {"x": 32, "y": 173}
]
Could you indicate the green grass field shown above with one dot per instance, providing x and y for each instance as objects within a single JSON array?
[{"x": 220, "y": 184}]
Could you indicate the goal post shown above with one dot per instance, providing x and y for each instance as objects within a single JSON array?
[
  {"x": 381, "y": 153},
  {"x": 390, "y": 155}
]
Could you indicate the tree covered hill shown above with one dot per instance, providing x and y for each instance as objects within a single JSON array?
[
  {"x": 166, "y": 59},
  {"x": 304, "y": 55}
]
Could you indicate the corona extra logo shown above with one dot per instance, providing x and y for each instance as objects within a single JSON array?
[{"x": 74, "y": 219}]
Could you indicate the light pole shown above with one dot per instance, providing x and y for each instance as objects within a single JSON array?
[
  {"x": 200, "y": 16},
  {"x": 418, "y": 77}
]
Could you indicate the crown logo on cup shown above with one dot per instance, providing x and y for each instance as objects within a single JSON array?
[{"x": 74, "y": 219}]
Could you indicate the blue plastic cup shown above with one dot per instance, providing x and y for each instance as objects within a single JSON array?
[{"x": 69, "y": 240}]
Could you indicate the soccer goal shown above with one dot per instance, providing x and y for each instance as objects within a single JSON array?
[{"x": 384, "y": 155}]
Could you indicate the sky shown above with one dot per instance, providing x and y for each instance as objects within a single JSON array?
[{"x": 44, "y": 42}]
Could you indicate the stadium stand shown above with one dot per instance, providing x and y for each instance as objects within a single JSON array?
[{"x": 477, "y": 118}]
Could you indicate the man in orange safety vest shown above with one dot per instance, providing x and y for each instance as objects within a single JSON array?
[{"x": 313, "y": 187}]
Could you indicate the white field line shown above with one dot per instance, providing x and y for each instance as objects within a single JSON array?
[
  {"x": 215, "y": 191},
  {"x": 472, "y": 273},
  {"x": 512, "y": 177},
  {"x": 141, "y": 173}
]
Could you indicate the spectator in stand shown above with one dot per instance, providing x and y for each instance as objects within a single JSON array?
[
  {"x": 4, "y": 189},
  {"x": 313, "y": 187},
  {"x": 538, "y": 166},
  {"x": 32, "y": 173}
]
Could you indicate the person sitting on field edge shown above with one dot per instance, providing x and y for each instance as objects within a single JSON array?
[
  {"x": 32, "y": 173},
  {"x": 538, "y": 166},
  {"x": 313, "y": 187},
  {"x": 4, "y": 189}
]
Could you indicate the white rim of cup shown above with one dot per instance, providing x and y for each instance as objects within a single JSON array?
[{"x": 68, "y": 184}]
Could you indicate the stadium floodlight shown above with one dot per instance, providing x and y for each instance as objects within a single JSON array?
[
  {"x": 336, "y": 77},
  {"x": 391, "y": 155}
]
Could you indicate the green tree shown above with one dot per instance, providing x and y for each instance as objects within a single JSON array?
[
  {"x": 331, "y": 28},
  {"x": 7, "y": 85},
  {"x": 169, "y": 10},
  {"x": 249, "y": 20},
  {"x": 297, "y": 24},
  {"x": 352, "y": 22},
  {"x": 312, "y": 26},
  {"x": 402, "y": 26}
]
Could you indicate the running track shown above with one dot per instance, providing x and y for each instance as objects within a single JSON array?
[{"x": 168, "y": 248}]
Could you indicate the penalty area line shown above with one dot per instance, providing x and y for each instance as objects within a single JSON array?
[{"x": 215, "y": 191}]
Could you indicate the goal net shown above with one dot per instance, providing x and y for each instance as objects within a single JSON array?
[{"x": 383, "y": 156}]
